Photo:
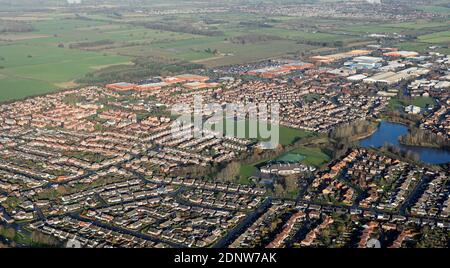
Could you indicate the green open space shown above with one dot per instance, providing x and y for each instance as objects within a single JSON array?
[
  {"x": 291, "y": 158},
  {"x": 313, "y": 156},
  {"x": 31, "y": 70},
  {"x": 247, "y": 170},
  {"x": 436, "y": 38},
  {"x": 436, "y": 9},
  {"x": 287, "y": 135},
  {"x": 421, "y": 102}
]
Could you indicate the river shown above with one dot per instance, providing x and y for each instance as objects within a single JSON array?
[{"x": 388, "y": 132}]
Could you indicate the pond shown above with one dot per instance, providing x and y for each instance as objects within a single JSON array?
[{"x": 388, "y": 132}]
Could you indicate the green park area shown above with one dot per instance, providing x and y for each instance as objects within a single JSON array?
[
  {"x": 287, "y": 135},
  {"x": 291, "y": 158},
  {"x": 312, "y": 156},
  {"x": 422, "y": 102}
]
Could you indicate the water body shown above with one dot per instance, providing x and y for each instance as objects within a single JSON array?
[{"x": 390, "y": 132}]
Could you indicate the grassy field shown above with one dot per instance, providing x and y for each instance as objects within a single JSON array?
[
  {"x": 399, "y": 27},
  {"x": 422, "y": 47},
  {"x": 290, "y": 135},
  {"x": 421, "y": 102},
  {"x": 312, "y": 156},
  {"x": 436, "y": 9},
  {"x": 42, "y": 61},
  {"x": 291, "y": 158},
  {"x": 414, "y": 46},
  {"x": 287, "y": 135},
  {"x": 428, "y": 32},
  {"x": 436, "y": 38},
  {"x": 30, "y": 70},
  {"x": 15, "y": 88}
]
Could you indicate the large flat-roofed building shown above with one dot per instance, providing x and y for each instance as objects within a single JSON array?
[
  {"x": 415, "y": 71},
  {"x": 392, "y": 77},
  {"x": 411, "y": 109},
  {"x": 151, "y": 86},
  {"x": 442, "y": 84},
  {"x": 392, "y": 66},
  {"x": 200, "y": 85},
  {"x": 344, "y": 72},
  {"x": 365, "y": 62},
  {"x": 185, "y": 78},
  {"x": 121, "y": 86},
  {"x": 298, "y": 65},
  {"x": 339, "y": 56},
  {"x": 380, "y": 78},
  {"x": 401, "y": 54},
  {"x": 367, "y": 59},
  {"x": 398, "y": 77},
  {"x": 356, "y": 78},
  {"x": 271, "y": 72}
]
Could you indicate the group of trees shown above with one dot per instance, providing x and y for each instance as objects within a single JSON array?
[
  {"x": 230, "y": 172},
  {"x": 179, "y": 28},
  {"x": 86, "y": 45},
  {"x": 211, "y": 51},
  {"x": 257, "y": 24},
  {"x": 322, "y": 43},
  {"x": 285, "y": 186},
  {"x": 421, "y": 137},
  {"x": 345, "y": 136},
  {"x": 407, "y": 154},
  {"x": 348, "y": 133},
  {"x": 36, "y": 239},
  {"x": 403, "y": 118},
  {"x": 253, "y": 38},
  {"x": 15, "y": 27}
]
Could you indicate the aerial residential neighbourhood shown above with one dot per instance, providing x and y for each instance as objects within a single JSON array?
[{"x": 358, "y": 111}]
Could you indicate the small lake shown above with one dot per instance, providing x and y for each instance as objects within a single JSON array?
[{"x": 390, "y": 132}]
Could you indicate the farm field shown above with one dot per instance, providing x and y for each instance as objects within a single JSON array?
[
  {"x": 62, "y": 50},
  {"x": 64, "y": 47},
  {"x": 436, "y": 38},
  {"x": 437, "y": 9},
  {"x": 398, "y": 27},
  {"x": 240, "y": 54},
  {"x": 12, "y": 88},
  {"x": 32, "y": 70},
  {"x": 427, "y": 33}
]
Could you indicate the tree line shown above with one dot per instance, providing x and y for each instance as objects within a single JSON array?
[{"x": 422, "y": 137}]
